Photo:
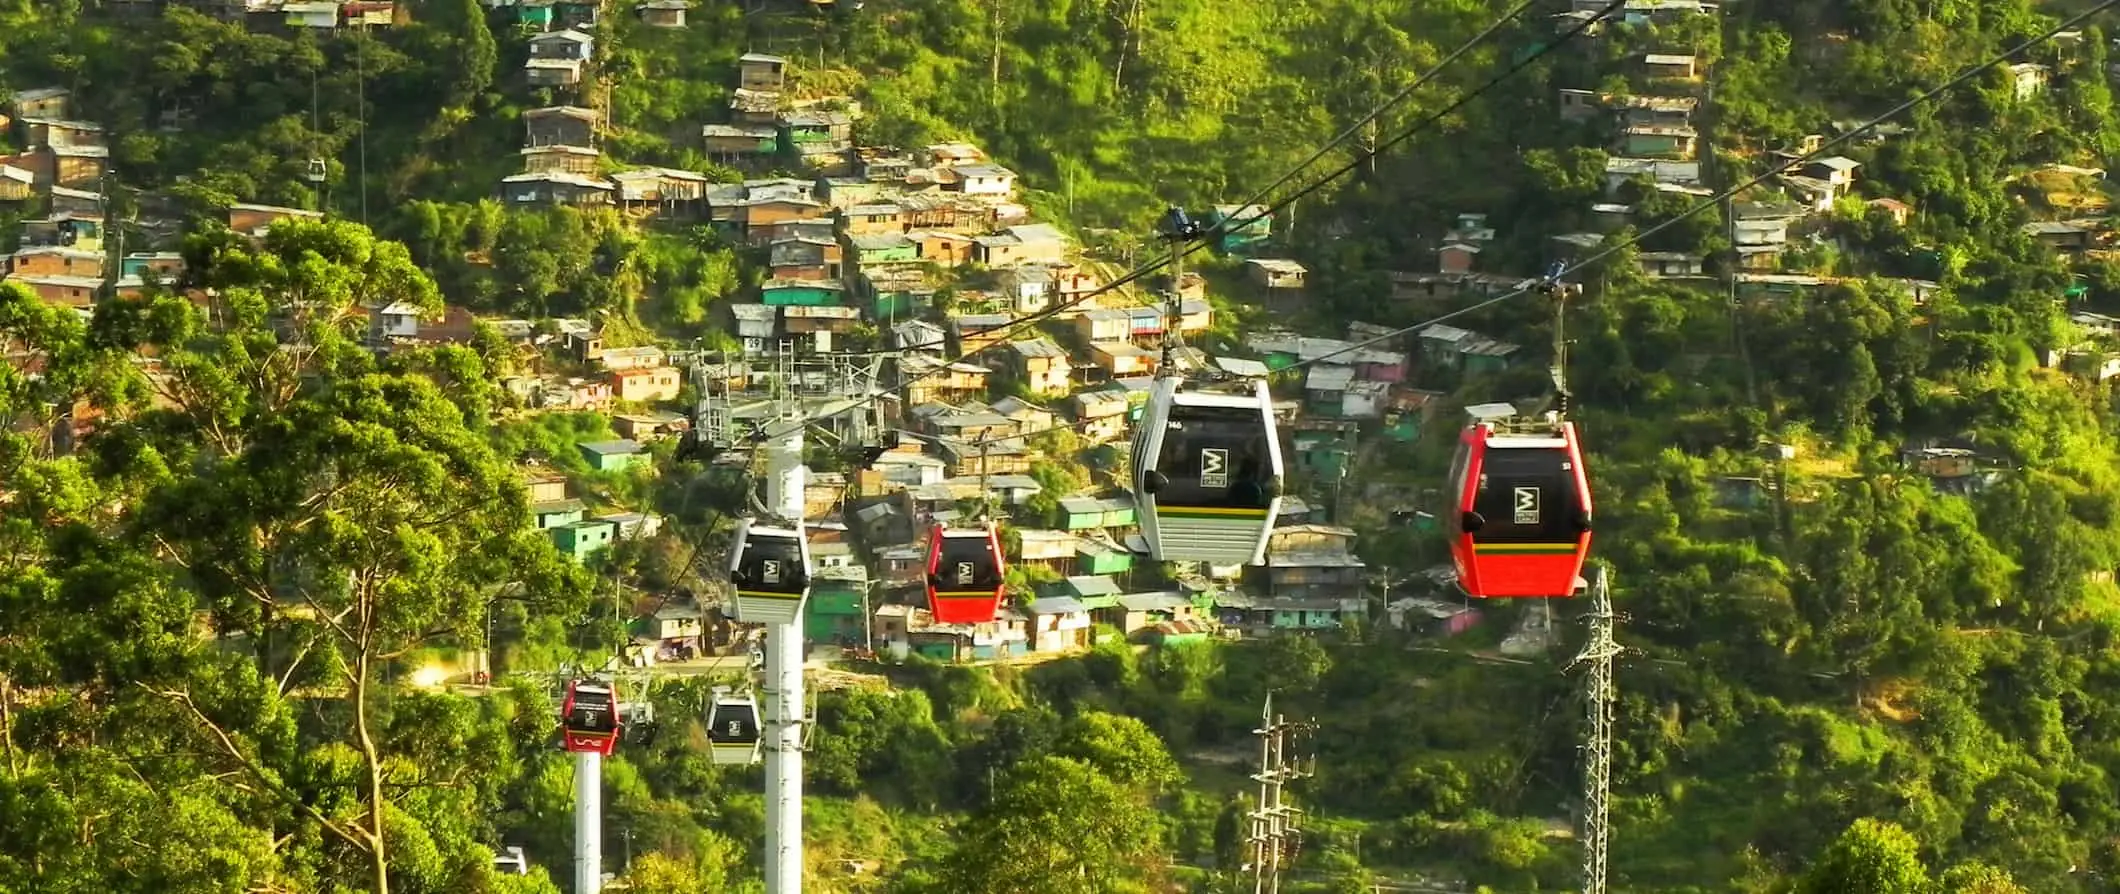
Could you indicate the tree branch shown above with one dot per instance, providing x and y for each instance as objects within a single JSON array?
[{"x": 352, "y": 835}]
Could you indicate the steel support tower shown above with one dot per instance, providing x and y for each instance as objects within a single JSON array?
[
  {"x": 1275, "y": 823},
  {"x": 785, "y": 483},
  {"x": 588, "y": 822},
  {"x": 1599, "y": 696}
]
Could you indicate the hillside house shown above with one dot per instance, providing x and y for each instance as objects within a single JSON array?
[
  {"x": 1899, "y": 211},
  {"x": 1089, "y": 513},
  {"x": 557, "y": 512},
  {"x": 1451, "y": 347},
  {"x": 730, "y": 140},
  {"x": 1621, "y": 171},
  {"x": 42, "y": 102},
  {"x": 960, "y": 381},
  {"x": 16, "y": 184},
  {"x": 943, "y": 248},
  {"x": 1276, "y": 273},
  {"x": 983, "y": 180},
  {"x": 653, "y": 425},
  {"x": 802, "y": 293},
  {"x": 1109, "y": 324},
  {"x": 560, "y": 158},
  {"x": 2028, "y": 79},
  {"x": 1457, "y": 257},
  {"x": 872, "y": 218},
  {"x": 638, "y": 357},
  {"x": 613, "y": 456},
  {"x": 1653, "y": 111},
  {"x": 1657, "y": 140},
  {"x": 758, "y": 71},
  {"x": 1578, "y": 105},
  {"x": 2063, "y": 236},
  {"x": 560, "y": 126},
  {"x": 754, "y": 107},
  {"x": 761, "y": 215},
  {"x": 1123, "y": 359},
  {"x": 971, "y": 421},
  {"x": 540, "y": 71},
  {"x": 977, "y": 332},
  {"x": 583, "y": 539},
  {"x": 1021, "y": 244},
  {"x": 60, "y": 132},
  {"x": 1670, "y": 263},
  {"x": 1325, "y": 387},
  {"x": 804, "y": 259},
  {"x": 76, "y": 166},
  {"x": 1028, "y": 288},
  {"x": 1312, "y": 561},
  {"x": 874, "y": 249},
  {"x": 664, "y": 13},
  {"x": 1836, "y": 170},
  {"x": 544, "y": 485},
  {"x": 987, "y": 457},
  {"x": 662, "y": 191},
  {"x": 67, "y": 291},
  {"x": 255, "y": 220},
  {"x": 75, "y": 201},
  {"x": 1059, "y": 624},
  {"x": 566, "y": 43},
  {"x": 555, "y": 188},
  {"x": 1240, "y": 228},
  {"x": 945, "y": 211},
  {"x": 1669, "y": 66},
  {"x": 816, "y": 132},
  {"x": 161, "y": 266},
  {"x": 1041, "y": 366},
  {"x": 52, "y": 260},
  {"x": 949, "y": 155},
  {"x": 655, "y": 383},
  {"x": 1099, "y": 415},
  {"x": 819, "y": 324}
]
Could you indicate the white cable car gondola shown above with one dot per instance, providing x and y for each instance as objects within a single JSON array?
[
  {"x": 1207, "y": 473},
  {"x": 733, "y": 734},
  {"x": 770, "y": 567}
]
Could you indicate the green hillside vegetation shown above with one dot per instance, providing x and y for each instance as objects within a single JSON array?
[{"x": 1850, "y": 681}]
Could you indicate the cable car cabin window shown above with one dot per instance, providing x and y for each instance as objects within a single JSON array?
[
  {"x": 774, "y": 563},
  {"x": 1454, "y": 517},
  {"x": 1215, "y": 456},
  {"x": 1527, "y": 496},
  {"x": 590, "y": 718},
  {"x": 736, "y": 725},
  {"x": 967, "y": 564}
]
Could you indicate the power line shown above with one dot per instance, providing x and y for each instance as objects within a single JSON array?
[
  {"x": 1705, "y": 204},
  {"x": 1361, "y": 158},
  {"x": 1240, "y": 222}
]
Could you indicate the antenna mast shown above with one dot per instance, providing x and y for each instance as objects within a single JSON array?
[
  {"x": 1599, "y": 696},
  {"x": 1275, "y": 832}
]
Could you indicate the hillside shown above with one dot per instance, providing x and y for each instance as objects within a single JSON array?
[{"x": 1851, "y": 434}]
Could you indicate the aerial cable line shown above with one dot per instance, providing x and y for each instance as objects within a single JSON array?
[
  {"x": 1342, "y": 137},
  {"x": 1362, "y": 157},
  {"x": 1540, "y": 284}
]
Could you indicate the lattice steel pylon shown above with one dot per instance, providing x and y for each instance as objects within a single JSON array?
[
  {"x": 1275, "y": 832},
  {"x": 1599, "y": 696}
]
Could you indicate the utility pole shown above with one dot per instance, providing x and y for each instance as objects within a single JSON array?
[
  {"x": 1599, "y": 696},
  {"x": 1275, "y": 832}
]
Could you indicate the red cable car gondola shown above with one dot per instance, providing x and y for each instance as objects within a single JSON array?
[
  {"x": 965, "y": 574},
  {"x": 1519, "y": 513},
  {"x": 589, "y": 721}
]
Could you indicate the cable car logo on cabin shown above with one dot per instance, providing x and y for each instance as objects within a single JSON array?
[
  {"x": 1214, "y": 467},
  {"x": 769, "y": 571},
  {"x": 966, "y": 574},
  {"x": 1527, "y": 505}
]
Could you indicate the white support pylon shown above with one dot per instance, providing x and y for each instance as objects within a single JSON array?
[
  {"x": 785, "y": 482},
  {"x": 588, "y": 822}
]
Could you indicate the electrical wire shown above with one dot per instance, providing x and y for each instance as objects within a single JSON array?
[
  {"x": 1727, "y": 194},
  {"x": 1239, "y": 222},
  {"x": 1361, "y": 157}
]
